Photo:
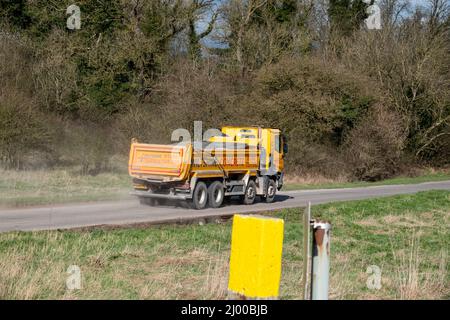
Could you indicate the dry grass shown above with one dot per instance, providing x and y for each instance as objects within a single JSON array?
[
  {"x": 406, "y": 236},
  {"x": 19, "y": 279},
  {"x": 36, "y": 187},
  {"x": 341, "y": 279},
  {"x": 111, "y": 267},
  {"x": 313, "y": 179},
  {"x": 413, "y": 277}
]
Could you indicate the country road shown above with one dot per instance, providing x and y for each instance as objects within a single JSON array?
[{"x": 131, "y": 212}]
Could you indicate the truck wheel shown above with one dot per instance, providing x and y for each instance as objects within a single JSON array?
[
  {"x": 250, "y": 193},
  {"x": 200, "y": 196},
  {"x": 216, "y": 193},
  {"x": 271, "y": 191}
]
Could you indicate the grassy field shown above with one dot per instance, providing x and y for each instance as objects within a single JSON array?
[
  {"x": 40, "y": 187},
  {"x": 308, "y": 183},
  {"x": 406, "y": 236}
]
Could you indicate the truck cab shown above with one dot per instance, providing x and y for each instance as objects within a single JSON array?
[{"x": 270, "y": 142}]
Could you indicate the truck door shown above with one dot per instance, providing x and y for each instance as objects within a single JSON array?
[
  {"x": 271, "y": 160},
  {"x": 276, "y": 161}
]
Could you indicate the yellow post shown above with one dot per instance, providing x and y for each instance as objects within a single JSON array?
[{"x": 255, "y": 261}]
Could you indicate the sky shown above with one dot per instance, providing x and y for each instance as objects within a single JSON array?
[{"x": 418, "y": 2}]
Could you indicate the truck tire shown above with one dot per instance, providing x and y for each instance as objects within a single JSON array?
[
  {"x": 216, "y": 194},
  {"x": 200, "y": 196},
  {"x": 250, "y": 193},
  {"x": 270, "y": 191}
]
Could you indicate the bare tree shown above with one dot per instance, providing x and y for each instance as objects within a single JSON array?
[
  {"x": 198, "y": 10},
  {"x": 238, "y": 16},
  {"x": 439, "y": 11}
]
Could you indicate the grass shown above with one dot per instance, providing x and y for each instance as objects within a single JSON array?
[
  {"x": 41, "y": 187},
  {"x": 407, "y": 236},
  {"x": 308, "y": 183}
]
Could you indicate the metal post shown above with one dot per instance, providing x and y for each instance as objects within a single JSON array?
[
  {"x": 306, "y": 251},
  {"x": 321, "y": 260}
]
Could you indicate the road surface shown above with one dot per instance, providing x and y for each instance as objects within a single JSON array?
[{"x": 131, "y": 212}]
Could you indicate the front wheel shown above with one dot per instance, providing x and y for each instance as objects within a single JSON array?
[
  {"x": 271, "y": 191},
  {"x": 200, "y": 196},
  {"x": 250, "y": 193}
]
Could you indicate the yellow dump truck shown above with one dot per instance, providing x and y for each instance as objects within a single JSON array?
[{"x": 240, "y": 161}]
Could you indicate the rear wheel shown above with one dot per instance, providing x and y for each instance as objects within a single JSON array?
[
  {"x": 271, "y": 191},
  {"x": 200, "y": 196},
  {"x": 216, "y": 194},
  {"x": 250, "y": 193}
]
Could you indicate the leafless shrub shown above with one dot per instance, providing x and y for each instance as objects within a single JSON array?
[
  {"x": 409, "y": 61},
  {"x": 88, "y": 147},
  {"x": 374, "y": 147},
  {"x": 23, "y": 130},
  {"x": 143, "y": 122}
]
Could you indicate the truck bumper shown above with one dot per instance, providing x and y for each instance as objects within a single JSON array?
[{"x": 170, "y": 196}]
